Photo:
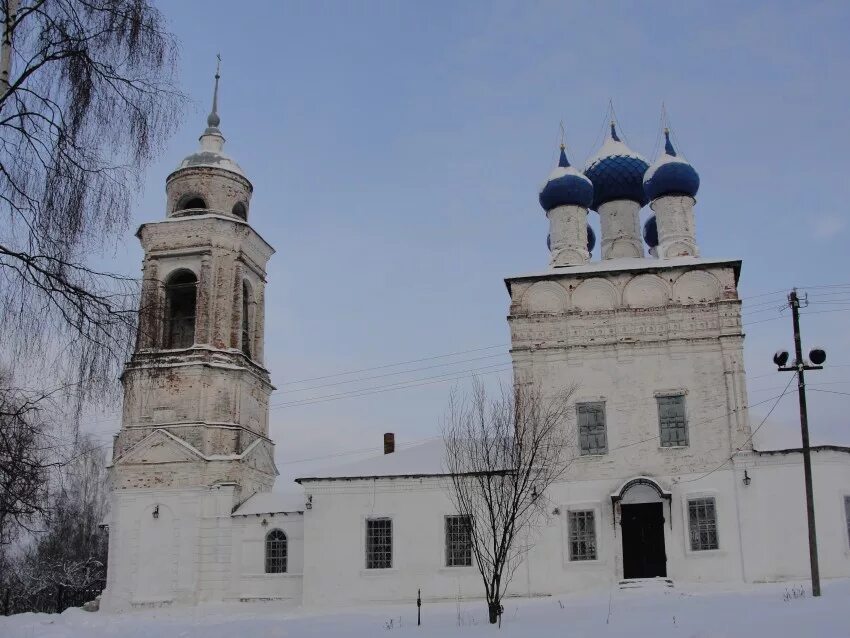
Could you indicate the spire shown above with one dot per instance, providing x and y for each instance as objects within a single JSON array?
[
  {"x": 668, "y": 145},
  {"x": 563, "y": 162},
  {"x": 213, "y": 120}
]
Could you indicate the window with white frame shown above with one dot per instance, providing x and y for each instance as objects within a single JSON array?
[
  {"x": 672, "y": 420},
  {"x": 276, "y": 552},
  {"x": 591, "y": 428},
  {"x": 458, "y": 541},
  {"x": 702, "y": 524},
  {"x": 379, "y": 543},
  {"x": 582, "y": 528},
  {"x": 847, "y": 515}
]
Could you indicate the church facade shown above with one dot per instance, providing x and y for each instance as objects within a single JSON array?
[{"x": 664, "y": 480}]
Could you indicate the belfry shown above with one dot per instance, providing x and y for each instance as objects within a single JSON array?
[{"x": 193, "y": 442}]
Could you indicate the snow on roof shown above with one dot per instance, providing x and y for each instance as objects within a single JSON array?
[
  {"x": 625, "y": 263},
  {"x": 425, "y": 459},
  {"x": 611, "y": 148},
  {"x": 271, "y": 503}
]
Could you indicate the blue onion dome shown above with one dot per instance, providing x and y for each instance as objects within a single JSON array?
[
  {"x": 616, "y": 172},
  {"x": 566, "y": 187},
  {"x": 650, "y": 232},
  {"x": 591, "y": 240},
  {"x": 670, "y": 174}
]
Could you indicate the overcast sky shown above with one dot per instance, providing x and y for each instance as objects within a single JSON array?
[{"x": 396, "y": 150}]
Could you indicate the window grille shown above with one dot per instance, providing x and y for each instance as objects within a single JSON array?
[
  {"x": 582, "y": 529},
  {"x": 458, "y": 542},
  {"x": 702, "y": 523},
  {"x": 276, "y": 552},
  {"x": 672, "y": 421},
  {"x": 591, "y": 427},
  {"x": 379, "y": 543}
]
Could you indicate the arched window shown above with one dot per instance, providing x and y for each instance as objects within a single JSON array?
[
  {"x": 276, "y": 552},
  {"x": 246, "y": 319},
  {"x": 240, "y": 210},
  {"x": 192, "y": 201},
  {"x": 180, "y": 297}
]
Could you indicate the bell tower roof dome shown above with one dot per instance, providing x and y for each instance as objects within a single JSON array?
[{"x": 211, "y": 153}]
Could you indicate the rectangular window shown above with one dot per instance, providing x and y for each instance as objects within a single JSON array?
[
  {"x": 847, "y": 515},
  {"x": 672, "y": 421},
  {"x": 458, "y": 542},
  {"x": 582, "y": 535},
  {"x": 702, "y": 523},
  {"x": 591, "y": 428},
  {"x": 379, "y": 543}
]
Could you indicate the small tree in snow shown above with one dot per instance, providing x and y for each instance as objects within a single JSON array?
[{"x": 502, "y": 454}]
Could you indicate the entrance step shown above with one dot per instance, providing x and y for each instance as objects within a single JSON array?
[{"x": 645, "y": 583}]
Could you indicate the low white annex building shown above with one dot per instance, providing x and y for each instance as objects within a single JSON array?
[{"x": 665, "y": 480}]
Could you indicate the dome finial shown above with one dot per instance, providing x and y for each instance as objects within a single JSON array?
[
  {"x": 213, "y": 120},
  {"x": 668, "y": 145},
  {"x": 614, "y": 135},
  {"x": 563, "y": 162}
]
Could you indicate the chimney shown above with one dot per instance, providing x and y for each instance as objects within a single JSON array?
[{"x": 389, "y": 443}]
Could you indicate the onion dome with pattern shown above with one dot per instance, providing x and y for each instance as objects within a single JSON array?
[
  {"x": 566, "y": 187},
  {"x": 616, "y": 172},
  {"x": 670, "y": 174}
]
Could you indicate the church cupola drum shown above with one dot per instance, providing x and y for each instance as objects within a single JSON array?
[
  {"x": 565, "y": 197},
  {"x": 671, "y": 185},
  {"x": 194, "y": 441},
  {"x": 617, "y": 176}
]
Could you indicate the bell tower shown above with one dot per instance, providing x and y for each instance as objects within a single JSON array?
[{"x": 193, "y": 442}]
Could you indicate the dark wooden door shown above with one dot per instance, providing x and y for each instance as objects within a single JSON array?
[{"x": 643, "y": 540}]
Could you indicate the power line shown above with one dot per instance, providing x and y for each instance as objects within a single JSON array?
[
  {"x": 393, "y": 365},
  {"x": 749, "y": 438},
  {"x": 381, "y": 389},
  {"x": 390, "y": 374}
]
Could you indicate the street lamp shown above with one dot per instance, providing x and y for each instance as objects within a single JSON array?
[{"x": 817, "y": 356}]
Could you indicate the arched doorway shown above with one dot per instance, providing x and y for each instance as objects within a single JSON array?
[{"x": 641, "y": 504}]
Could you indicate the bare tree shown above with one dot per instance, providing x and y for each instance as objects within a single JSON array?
[
  {"x": 68, "y": 555},
  {"x": 24, "y": 461},
  {"x": 86, "y": 100},
  {"x": 502, "y": 454}
]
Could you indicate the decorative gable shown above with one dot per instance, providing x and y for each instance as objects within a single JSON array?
[
  {"x": 160, "y": 447},
  {"x": 259, "y": 456}
]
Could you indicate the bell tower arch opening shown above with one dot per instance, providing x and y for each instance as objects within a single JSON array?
[
  {"x": 181, "y": 293},
  {"x": 247, "y": 317}
]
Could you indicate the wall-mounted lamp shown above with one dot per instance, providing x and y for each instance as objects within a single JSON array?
[
  {"x": 747, "y": 479},
  {"x": 156, "y": 512},
  {"x": 309, "y": 504},
  {"x": 556, "y": 511},
  {"x": 264, "y": 523}
]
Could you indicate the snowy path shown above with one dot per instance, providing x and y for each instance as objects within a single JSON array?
[{"x": 684, "y": 612}]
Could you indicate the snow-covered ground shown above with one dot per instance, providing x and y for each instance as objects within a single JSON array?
[{"x": 682, "y": 612}]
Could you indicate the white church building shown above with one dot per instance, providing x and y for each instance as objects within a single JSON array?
[{"x": 665, "y": 481}]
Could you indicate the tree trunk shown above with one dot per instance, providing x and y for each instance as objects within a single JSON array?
[{"x": 494, "y": 609}]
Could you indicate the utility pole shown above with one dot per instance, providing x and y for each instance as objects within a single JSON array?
[{"x": 817, "y": 356}]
